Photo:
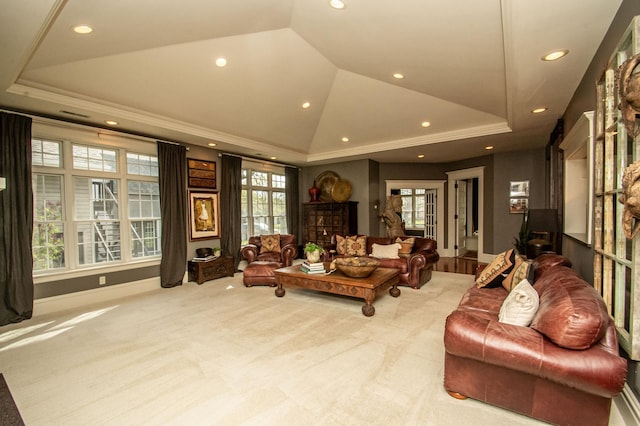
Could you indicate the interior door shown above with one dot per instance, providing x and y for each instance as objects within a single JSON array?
[
  {"x": 461, "y": 217},
  {"x": 430, "y": 214}
]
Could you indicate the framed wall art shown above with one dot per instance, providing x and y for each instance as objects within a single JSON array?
[
  {"x": 519, "y": 188},
  {"x": 201, "y": 173},
  {"x": 518, "y": 205},
  {"x": 204, "y": 215}
]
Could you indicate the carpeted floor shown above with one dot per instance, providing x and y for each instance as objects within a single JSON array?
[
  {"x": 224, "y": 354},
  {"x": 9, "y": 414}
]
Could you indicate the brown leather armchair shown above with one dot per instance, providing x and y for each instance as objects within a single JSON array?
[{"x": 253, "y": 251}]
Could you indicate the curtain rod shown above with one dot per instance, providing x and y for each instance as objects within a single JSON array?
[
  {"x": 261, "y": 160},
  {"x": 71, "y": 124}
]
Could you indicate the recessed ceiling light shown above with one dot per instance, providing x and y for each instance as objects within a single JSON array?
[
  {"x": 82, "y": 29},
  {"x": 345, "y": 139},
  {"x": 336, "y": 4},
  {"x": 539, "y": 110},
  {"x": 398, "y": 76},
  {"x": 273, "y": 158},
  {"x": 211, "y": 144},
  {"x": 306, "y": 105},
  {"x": 556, "y": 54},
  {"x": 488, "y": 147},
  {"x": 111, "y": 122},
  {"x": 221, "y": 62},
  {"x": 421, "y": 156},
  {"x": 425, "y": 124}
]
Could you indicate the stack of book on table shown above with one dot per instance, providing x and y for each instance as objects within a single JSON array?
[
  {"x": 312, "y": 268},
  {"x": 204, "y": 258}
]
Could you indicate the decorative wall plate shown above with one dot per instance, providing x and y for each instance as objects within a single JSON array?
[
  {"x": 341, "y": 191},
  {"x": 325, "y": 182}
]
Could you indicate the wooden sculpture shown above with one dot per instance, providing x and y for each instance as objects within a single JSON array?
[
  {"x": 630, "y": 198},
  {"x": 629, "y": 92},
  {"x": 391, "y": 217}
]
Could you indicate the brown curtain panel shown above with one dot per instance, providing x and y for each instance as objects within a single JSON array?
[
  {"x": 16, "y": 219},
  {"x": 293, "y": 197},
  {"x": 230, "y": 191},
  {"x": 172, "y": 168}
]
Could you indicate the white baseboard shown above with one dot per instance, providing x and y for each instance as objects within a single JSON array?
[
  {"x": 628, "y": 406},
  {"x": 79, "y": 299}
]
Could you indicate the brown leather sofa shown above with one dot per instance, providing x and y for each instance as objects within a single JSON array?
[
  {"x": 563, "y": 369},
  {"x": 415, "y": 267},
  {"x": 261, "y": 265}
]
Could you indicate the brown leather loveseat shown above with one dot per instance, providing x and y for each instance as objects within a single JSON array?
[
  {"x": 416, "y": 259},
  {"x": 563, "y": 369}
]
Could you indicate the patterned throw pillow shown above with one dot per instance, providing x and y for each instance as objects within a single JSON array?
[
  {"x": 522, "y": 270},
  {"x": 357, "y": 245},
  {"x": 406, "y": 246},
  {"x": 270, "y": 243},
  {"x": 497, "y": 270}
]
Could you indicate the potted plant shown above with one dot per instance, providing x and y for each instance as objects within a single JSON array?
[{"x": 313, "y": 252}]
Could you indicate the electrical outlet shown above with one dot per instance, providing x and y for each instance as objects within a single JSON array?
[{"x": 102, "y": 280}]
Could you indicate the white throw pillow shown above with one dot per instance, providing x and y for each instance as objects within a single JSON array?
[
  {"x": 520, "y": 306},
  {"x": 389, "y": 251}
]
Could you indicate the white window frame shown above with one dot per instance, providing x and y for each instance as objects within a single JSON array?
[
  {"x": 270, "y": 169},
  {"x": 69, "y": 136}
]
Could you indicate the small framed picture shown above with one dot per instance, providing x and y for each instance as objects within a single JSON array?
[
  {"x": 519, "y": 188},
  {"x": 204, "y": 215},
  {"x": 518, "y": 205}
]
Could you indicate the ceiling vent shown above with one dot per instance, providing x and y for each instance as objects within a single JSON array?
[{"x": 75, "y": 114}]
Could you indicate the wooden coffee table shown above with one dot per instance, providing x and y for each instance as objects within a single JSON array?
[{"x": 338, "y": 283}]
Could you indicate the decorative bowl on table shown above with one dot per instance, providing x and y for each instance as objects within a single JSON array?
[{"x": 357, "y": 267}]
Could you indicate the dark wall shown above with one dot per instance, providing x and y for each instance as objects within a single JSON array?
[
  {"x": 91, "y": 281},
  {"x": 499, "y": 226},
  {"x": 514, "y": 166},
  {"x": 374, "y": 198}
]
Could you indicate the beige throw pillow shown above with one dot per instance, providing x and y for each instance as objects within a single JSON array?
[
  {"x": 520, "y": 306},
  {"x": 388, "y": 251}
]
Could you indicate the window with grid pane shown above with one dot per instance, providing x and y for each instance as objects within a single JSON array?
[
  {"x": 144, "y": 218},
  {"x": 263, "y": 203},
  {"x": 48, "y": 206},
  {"x": 101, "y": 226},
  {"x": 97, "y": 221},
  {"x": 48, "y": 223}
]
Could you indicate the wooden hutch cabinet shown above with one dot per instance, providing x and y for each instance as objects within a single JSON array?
[{"x": 321, "y": 220}]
